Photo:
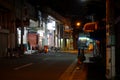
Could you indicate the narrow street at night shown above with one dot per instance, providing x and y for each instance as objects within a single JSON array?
[
  {"x": 59, "y": 39},
  {"x": 48, "y": 66}
]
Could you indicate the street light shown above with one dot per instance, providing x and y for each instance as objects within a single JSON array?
[{"x": 78, "y": 24}]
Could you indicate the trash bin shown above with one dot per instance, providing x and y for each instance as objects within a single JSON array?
[{"x": 45, "y": 48}]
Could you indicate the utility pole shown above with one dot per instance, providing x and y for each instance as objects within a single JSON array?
[
  {"x": 22, "y": 28},
  {"x": 110, "y": 40}
]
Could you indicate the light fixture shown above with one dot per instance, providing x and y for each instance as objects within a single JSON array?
[
  {"x": 78, "y": 24},
  {"x": 83, "y": 0}
]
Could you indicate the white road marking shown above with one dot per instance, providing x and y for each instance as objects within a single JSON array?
[{"x": 17, "y": 68}]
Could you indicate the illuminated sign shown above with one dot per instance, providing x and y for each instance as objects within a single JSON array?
[{"x": 90, "y": 27}]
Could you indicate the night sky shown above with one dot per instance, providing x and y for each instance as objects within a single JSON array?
[{"x": 75, "y": 7}]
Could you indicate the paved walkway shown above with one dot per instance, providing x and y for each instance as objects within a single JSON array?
[
  {"x": 79, "y": 74},
  {"x": 88, "y": 71},
  {"x": 73, "y": 73}
]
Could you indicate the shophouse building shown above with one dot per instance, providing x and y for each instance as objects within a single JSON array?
[{"x": 19, "y": 20}]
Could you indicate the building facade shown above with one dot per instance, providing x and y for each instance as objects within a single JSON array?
[{"x": 19, "y": 18}]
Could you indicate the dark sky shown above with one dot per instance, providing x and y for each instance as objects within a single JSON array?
[{"x": 75, "y": 7}]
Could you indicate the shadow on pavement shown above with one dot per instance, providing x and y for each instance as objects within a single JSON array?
[{"x": 96, "y": 71}]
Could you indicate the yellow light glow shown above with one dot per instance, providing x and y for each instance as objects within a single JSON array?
[{"x": 78, "y": 23}]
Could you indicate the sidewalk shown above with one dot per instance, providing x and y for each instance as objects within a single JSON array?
[
  {"x": 82, "y": 72},
  {"x": 79, "y": 74},
  {"x": 72, "y": 73},
  {"x": 88, "y": 71}
]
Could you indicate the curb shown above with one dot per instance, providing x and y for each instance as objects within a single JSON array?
[{"x": 67, "y": 74}]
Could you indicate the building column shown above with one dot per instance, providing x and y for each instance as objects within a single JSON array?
[
  {"x": 46, "y": 38},
  {"x": 22, "y": 27}
]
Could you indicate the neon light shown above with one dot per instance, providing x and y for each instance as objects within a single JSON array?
[{"x": 84, "y": 38}]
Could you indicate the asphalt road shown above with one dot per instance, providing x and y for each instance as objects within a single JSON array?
[
  {"x": 50, "y": 66},
  {"x": 40, "y": 66}
]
